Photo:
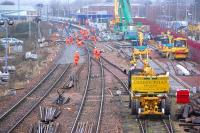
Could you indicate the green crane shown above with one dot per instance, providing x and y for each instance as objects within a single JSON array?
[
  {"x": 125, "y": 12},
  {"x": 126, "y": 21}
]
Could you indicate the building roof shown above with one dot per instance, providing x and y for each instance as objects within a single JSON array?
[
  {"x": 15, "y": 8},
  {"x": 21, "y": 13},
  {"x": 108, "y": 4}
]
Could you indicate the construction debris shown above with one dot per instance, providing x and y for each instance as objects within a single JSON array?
[
  {"x": 70, "y": 83},
  {"x": 61, "y": 99},
  {"x": 49, "y": 114},
  {"x": 190, "y": 114},
  {"x": 46, "y": 123},
  {"x": 40, "y": 127}
]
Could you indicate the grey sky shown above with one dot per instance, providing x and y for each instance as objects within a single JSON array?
[
  {"x": 42, "y": 1},
  {"x": 34, "y": 1}
]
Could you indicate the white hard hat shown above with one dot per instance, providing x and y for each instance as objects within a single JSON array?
[{"x": 76, "y": 51}]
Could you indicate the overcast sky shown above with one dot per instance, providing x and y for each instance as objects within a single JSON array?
[
  {"x": 42, "y": 1},
  {"x": 34, "y": 1}
]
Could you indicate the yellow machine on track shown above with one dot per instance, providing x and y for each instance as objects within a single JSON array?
[
  {"x": 180, "y": 49},
  {"x": 140, "y": 48},
  {"x": 149, "y": 91},
  {"x": 165, "y": 45}
]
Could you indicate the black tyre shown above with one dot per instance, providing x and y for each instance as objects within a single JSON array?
[
  {"x": 134, "y": 107},
  {"x": 171, "y": 56},
  {"x": 165, "y": 104},
  {"x": 129, "y": 105},
  {"x": 129, "y": 87}
]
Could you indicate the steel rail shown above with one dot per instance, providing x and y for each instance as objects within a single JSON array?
[
  {"x": 28, "y": 94},
  {"x": 166, "y": 126},
  {"x": 173, "y": 66},
  {"x": 173, "y": 76},
  {"x": 76, "y": 127},
  {"x": 103, "y": 58},
  {"x": 169, "y": 129},
  {"x": 38, "y": 102},
  {"x": 84, "y": 96},
  {"x": 102, "y": 96},
  {"x": 141, "y": 126},
  {"x": 122, "y": 83}
]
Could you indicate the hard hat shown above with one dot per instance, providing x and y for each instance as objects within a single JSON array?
[{"x": 76, "y": 51}]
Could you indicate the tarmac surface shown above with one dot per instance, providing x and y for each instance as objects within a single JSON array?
[{"x": 68, "y": 54}]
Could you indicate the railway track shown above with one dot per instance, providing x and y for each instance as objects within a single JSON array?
[
  {"x": 112, "y": 65},
  {"x": 88, "y": 118},
  {"x": 155, "y": 125},
  {"x": 172, "y": 67},
  {"x": 17, "y": 113},
  {"x": 165, "y": 124}
]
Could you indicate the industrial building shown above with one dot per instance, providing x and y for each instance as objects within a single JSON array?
[
  {"x": 24, "y": 12},
  {"x": 106, "y": 11}
]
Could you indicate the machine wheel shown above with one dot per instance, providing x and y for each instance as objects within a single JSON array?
[
  {"x": 129, "y": 105},
  {"x": 129, "y": 79},
  {"x": 171, "y": 56},
  {"x": 134, "y": 107},
  {"x": 129, "y": 87},
  {"x": 162, "y": 55},
  {"x": 165, "y": 104}
]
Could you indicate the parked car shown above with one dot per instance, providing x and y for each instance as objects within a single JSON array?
[
  {"x": 11, "y": 41},
  {"x": 29, "y": 55}
]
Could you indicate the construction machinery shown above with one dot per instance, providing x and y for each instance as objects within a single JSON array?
[
  {"x": 116, "y": 21},
  {"x": 123, "y": 21},
  {"x": 140, "y": 48},
  {"x": 148, "y": 90},
  {"x": 180, "y": 49},
  {"x": 165, "y": 45}
]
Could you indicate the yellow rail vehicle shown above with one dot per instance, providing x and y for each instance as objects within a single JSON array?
[
  {"x": 149, "y": 92},
  {"x": 140, "y": 48},
  {"x": 164, "y": 46},
  {"x": 180, "y": 49}
]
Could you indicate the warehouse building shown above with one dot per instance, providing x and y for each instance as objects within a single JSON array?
[{"x": 24, "y": 12}]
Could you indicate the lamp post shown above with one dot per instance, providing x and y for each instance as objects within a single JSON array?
[
  {"x": 18, "y": 6},
  {"x": 6, "y": 23},
  {"x": 68, "y": 7},
  {"x": 39, "y": 32}
]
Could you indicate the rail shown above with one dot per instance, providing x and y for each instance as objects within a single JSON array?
[
  {"x": 10, "y": 115},
  {"x": 166, "y": 122},
  {"x": 84, "y": 96},
  {"x": 21, "y": 100}
]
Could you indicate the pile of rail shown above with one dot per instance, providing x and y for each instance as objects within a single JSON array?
[
  {"x": 44, "y": 128},
  {"x": 189, "y": 114},
  {"x": 46, "y": 123}
]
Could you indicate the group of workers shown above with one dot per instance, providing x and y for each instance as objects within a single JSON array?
[
  {"x": 69, "y": 40},
  {"x": 79, "y": 41},
  {"x": 96, "y": 54}
]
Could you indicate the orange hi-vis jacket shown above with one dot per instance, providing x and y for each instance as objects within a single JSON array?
[
  {"x": 98, "y": 54},
  {"x": 71, "y": 39},
  {"x": 79, "y": 43},
  {"x": 93, "y": 38},
  {"x": 67, "y": 41},
  {"x": 76, "y": 58}
]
